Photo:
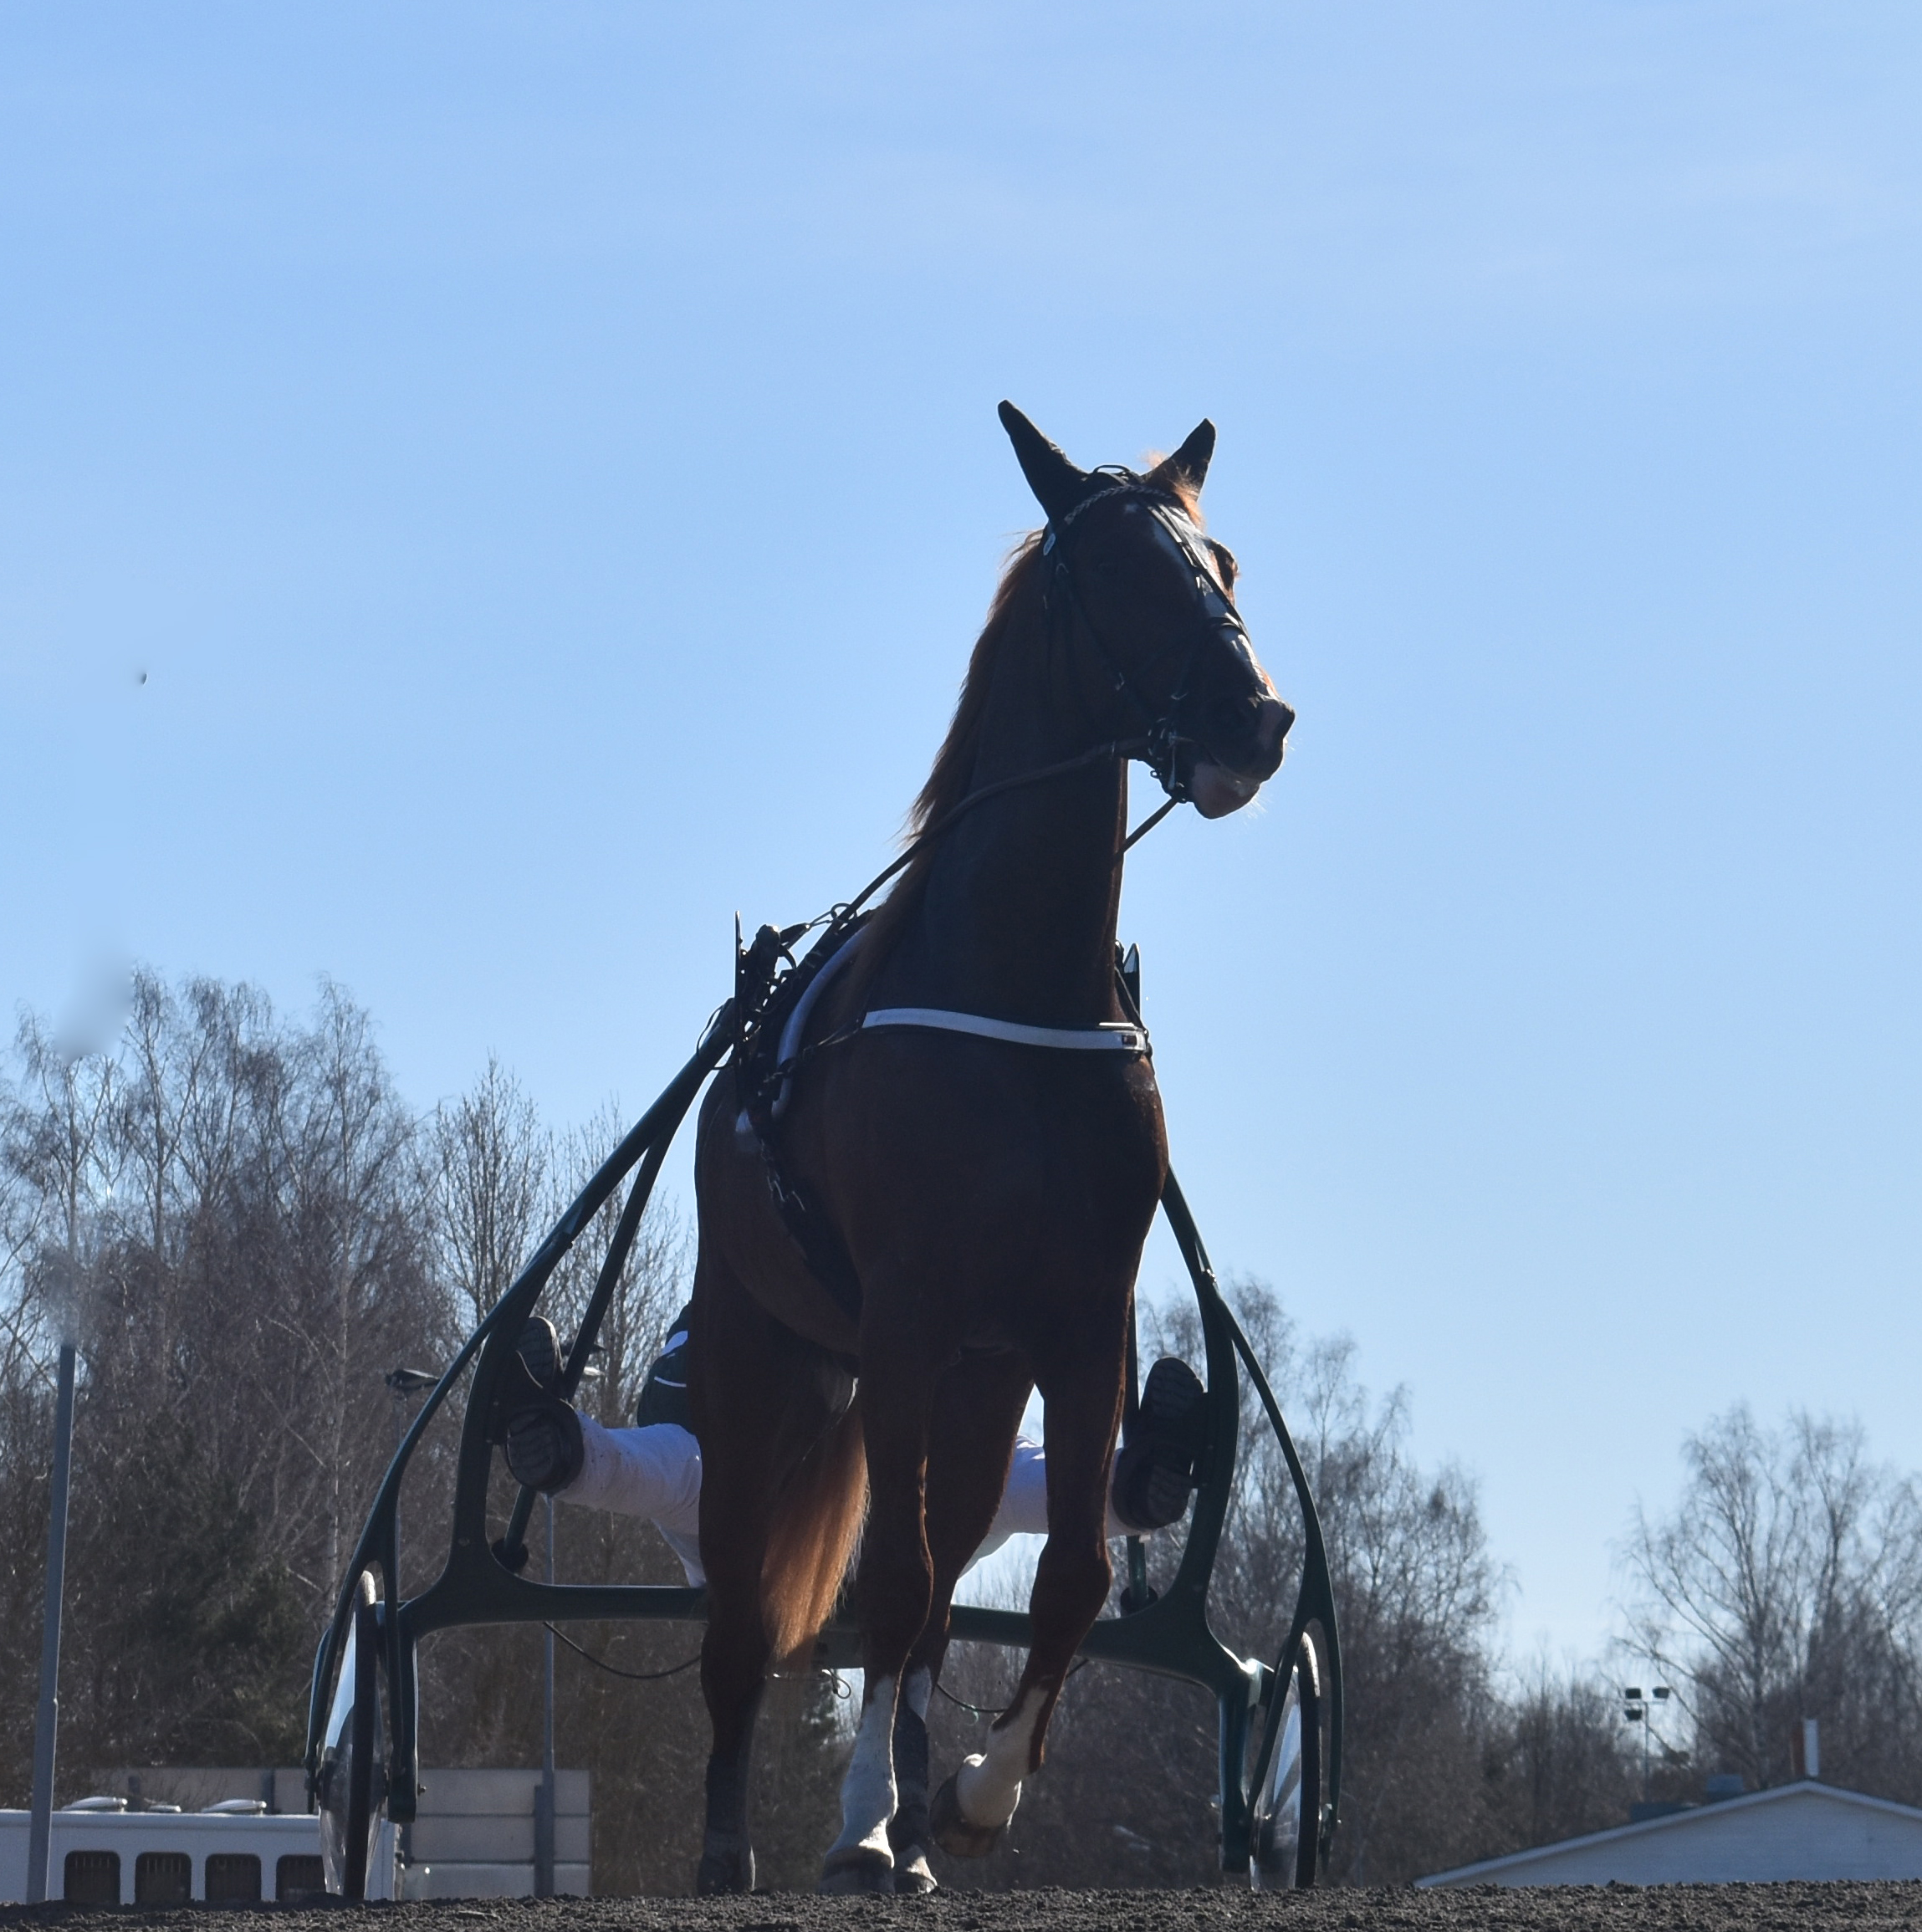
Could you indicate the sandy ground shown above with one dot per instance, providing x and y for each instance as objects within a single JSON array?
[{"x": 1564, "y": 1909}]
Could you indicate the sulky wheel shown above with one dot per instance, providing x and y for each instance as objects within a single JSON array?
[
  {"x": 351, "y": 1782},
  {"x": 1288, "y": 1802}
]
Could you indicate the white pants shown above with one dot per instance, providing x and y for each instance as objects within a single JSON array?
[
  {"x": 653, "y": 1472},
  {"x": 656, "y": 1473}
]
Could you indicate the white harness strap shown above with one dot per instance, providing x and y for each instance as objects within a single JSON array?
[
  {"x": 1110, "y": 1037},
  {"x": 794, "y": 1032}
]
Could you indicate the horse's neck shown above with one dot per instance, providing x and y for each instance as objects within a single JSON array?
[{"x": 1018, "y": 916}]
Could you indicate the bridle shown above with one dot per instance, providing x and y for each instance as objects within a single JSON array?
[
  {"x": 1159, "y": 745},
  {"x": 1166, "y": 729}
]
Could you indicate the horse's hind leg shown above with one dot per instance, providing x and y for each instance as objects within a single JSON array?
[
  {"x": 1082, "y": 1392},
  {"x": 734, "y": 1390}
]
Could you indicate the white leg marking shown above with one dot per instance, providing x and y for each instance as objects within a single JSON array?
[
  {"x": 867, "y": 1792},
  {"x": 989, "y": 1786}
]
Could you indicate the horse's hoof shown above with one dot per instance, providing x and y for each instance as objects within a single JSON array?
[
  {"x": 860, "y": 1870},
  {"x": 731, "y": 1870},
  {"x": 955, "y": 1834},
  {"x": 912, "y": 1877}
]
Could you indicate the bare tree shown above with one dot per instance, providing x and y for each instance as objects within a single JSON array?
[
  {"x": 58, "y": 1155},
  {"x": 491, "y": 1162},
  {"x": 1787, "y": 1583},
  {"x": 55, "y": 1167},
  {"x": 227, "y": 1206},
  {"x": 1565, "y": 1768},
  {"x": 654, "y": 1280}
]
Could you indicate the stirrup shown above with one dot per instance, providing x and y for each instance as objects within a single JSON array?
[{"x": 1155, "y": 1473}]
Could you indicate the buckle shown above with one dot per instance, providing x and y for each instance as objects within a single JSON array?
[{"x": 1162, "y": 753}]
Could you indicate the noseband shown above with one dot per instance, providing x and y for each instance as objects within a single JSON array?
[{"x": 1164, "y": 732}]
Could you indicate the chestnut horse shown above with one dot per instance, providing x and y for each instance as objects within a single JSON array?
[{"x": 989, "y": 1193}]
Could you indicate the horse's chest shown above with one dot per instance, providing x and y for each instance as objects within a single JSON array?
[{"x": 1009, "y": 1136}]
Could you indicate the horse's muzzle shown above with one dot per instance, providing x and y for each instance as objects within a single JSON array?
[{"x": 1219, "y": 790}]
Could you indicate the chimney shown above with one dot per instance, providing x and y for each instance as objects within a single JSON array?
[{"x": 1811, "y": 1748}]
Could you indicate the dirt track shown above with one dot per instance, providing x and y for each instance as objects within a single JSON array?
[{"x": 1617, "y": 1909}]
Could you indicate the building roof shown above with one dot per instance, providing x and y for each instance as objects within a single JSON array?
[{"x": 1799, "y": 1830}]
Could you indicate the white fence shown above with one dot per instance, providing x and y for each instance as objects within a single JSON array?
[{"x": 473, "y": 1837}]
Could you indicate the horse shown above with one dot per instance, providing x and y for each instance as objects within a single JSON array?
[{"x": 982, "y": 1184}]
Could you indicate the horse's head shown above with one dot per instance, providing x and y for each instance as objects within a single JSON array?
[{"x": 1126, "y": 556}]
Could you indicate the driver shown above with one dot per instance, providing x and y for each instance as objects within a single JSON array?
[{"x": 653, "y": 1470}]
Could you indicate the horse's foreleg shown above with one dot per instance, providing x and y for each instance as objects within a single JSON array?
[
  {"x": 894, "y": 1587},
  {"x": 977, "y": 1407},
  {"x": 907, "y": 1835},
  {"x": 861, "y": 1859},
  {"x": 972, "y": 1809}
]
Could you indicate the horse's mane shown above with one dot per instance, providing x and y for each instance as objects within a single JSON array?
[
  {"x": 948, "y": 783},
  {"x": 953, "y": 767}
]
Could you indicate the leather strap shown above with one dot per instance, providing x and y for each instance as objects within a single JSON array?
[{"x": 1112, "y": 1037}]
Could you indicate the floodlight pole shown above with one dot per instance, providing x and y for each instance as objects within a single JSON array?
[
  {"x": 47, "y": 1720},
  {"x": 543, "y": 1797},
  {"x": 403, "y": 1383},
  {"x": 1636, "y": 1709}
]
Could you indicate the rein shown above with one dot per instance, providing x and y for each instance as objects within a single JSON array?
[
  {"x": 756, "y": 970},
  {"x": 1115, "y": 747}
]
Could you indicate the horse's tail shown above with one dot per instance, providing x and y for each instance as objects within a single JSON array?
[{"x": 817, "y": 1523}]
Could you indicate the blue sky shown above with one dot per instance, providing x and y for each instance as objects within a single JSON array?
[{"x": 545, "y": 462}]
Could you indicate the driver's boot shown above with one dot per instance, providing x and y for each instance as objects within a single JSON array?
[
  {"x": 1155, "y": 1473},
  {"x": 543, "y": 1440}
]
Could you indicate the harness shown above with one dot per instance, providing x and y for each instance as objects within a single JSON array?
[
  {"x": 768, "y": 1053},
  {"x": 768, "y": 1058},
  {"x": 776, "y": 994}
]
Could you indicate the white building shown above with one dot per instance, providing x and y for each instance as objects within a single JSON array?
[
  {"x": 1798, "y": 1831},
  {"x": 101, "y": 1853},
  {"x": 178, "y": 1836}
]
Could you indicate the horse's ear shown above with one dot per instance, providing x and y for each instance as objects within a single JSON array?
[
  {"x": 1188, "y": 465},
  {"x": 1057, "y": 484}
]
